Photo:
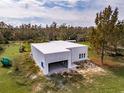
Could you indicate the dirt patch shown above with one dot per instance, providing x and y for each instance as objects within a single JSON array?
[
  {"x": 36, "y": 88},
  {"x": 89, "y": 70}
]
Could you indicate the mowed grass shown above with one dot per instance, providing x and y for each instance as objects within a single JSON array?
[{"x": 7, "y": 82}]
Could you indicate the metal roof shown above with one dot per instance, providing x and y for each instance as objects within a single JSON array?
[{"x": 55, "y": 46}]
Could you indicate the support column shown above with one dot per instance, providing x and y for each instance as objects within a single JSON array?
[
  {"x": 69, "y": 60},
  {"x": 69, "y": 63},
  {"x": 46, "y": 68}
]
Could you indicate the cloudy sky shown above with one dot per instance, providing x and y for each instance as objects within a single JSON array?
[{"x": 73, "y": 12}]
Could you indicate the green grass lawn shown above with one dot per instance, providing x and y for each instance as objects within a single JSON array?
[
  {"x": 11, "y": 50},
  {"x": 7, "y": 82},
  {"x": 113, "y": 82}
]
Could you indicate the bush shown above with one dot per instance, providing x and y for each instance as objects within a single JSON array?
[
  {"x": 22, "y": 49},
  {"x": 1, "y": 48},
  {"x": 5, "y": 41},
  {"x": 30, "y": 41}
]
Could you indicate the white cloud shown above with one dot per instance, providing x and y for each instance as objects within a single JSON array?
[{"x": 11, "y": 9}]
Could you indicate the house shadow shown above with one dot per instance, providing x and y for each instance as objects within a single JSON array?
[{"x": 5, "y": 67}]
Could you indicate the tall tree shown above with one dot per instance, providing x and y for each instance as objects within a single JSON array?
[{"x": 105, "y": 23}]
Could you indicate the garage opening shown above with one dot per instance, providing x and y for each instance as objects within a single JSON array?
[{"x": 58, "y": 66}]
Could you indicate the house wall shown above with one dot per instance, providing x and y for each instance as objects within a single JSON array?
[
  {"x": 38, "y": 57},
  {"x": 76, "y": 51},
  {"x": 55, "y": 57}
]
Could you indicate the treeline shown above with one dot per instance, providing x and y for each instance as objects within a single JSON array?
[{"x": 38, "y": 33}]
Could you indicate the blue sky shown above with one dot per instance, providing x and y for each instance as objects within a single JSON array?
[{"x": 72, "y": 12}]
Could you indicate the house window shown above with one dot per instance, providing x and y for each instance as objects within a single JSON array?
[
  {"x": 84, "y": 55},
  {"x": 42, "y": 64},
  {"x": 79, "y": 56}
]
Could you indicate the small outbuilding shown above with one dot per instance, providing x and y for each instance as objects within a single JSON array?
[{"x": 55, "y": 56}]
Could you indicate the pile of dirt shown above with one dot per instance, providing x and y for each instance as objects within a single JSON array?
[{"x": 89, "y": 70}]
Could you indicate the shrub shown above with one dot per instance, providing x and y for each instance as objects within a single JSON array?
[
  {"x": 1, "y": 48},
  {"x": 26, "y": 46},
  {"x": 22, "y": 49},
  {"x": 30, "y": 41},
  {"x": 5, "y": 41}
]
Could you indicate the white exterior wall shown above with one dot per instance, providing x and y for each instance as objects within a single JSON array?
[
  {"x": 76, "y": 51},
  {"x": 39, "y": 57},
  {"x": 55, "y": 57}
]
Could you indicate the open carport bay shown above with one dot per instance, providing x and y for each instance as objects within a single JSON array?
[{"x": 58, "y": 66}]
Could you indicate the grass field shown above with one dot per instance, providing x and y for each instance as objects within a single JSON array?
[
  {"x": 11, "y": 50},
  {"x": 7, "y": 82},
  {"x": 113, "y": 82}
]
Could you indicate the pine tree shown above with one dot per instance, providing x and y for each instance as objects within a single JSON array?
[{"x": 105, "y": 23}]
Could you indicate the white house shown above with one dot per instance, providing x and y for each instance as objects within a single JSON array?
[{"x": 58, "y": 55}]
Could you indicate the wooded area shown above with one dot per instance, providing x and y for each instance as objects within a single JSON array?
[{"x": 37, "y": 33}]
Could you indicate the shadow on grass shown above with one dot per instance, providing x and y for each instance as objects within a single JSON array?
[{"x": 5, "y": 67}]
